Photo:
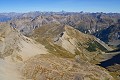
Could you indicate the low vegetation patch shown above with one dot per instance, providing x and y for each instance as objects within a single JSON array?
[{"x": 93, "y": 46}]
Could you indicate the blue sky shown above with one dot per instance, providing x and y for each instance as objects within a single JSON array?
[{"x": 59, "y": 5}]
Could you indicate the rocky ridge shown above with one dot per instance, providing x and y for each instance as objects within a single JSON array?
[{"x": 45, "y": 60}]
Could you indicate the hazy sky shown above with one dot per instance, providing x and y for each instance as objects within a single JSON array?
[{"x": 59, "y": 5}]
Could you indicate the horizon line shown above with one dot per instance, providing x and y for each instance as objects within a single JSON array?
[{"x": 60, "y": 11}]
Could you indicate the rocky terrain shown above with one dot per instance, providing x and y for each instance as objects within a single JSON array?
[
  {"x": 50, "y": 67},
  {"x": 14, "y": 49},
  {"x": 57, "y": 46},
  {"x": 20, "y": 55},
  {"x": 69, "y": 39}
]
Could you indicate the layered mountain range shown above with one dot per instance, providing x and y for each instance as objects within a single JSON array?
[
  {"x": 58, "y": 46},
  {"x": 90, "y": 23}
]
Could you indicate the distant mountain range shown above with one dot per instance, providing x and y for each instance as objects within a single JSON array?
[{"x": 96, "y": 24}]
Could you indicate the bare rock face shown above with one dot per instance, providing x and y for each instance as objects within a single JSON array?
[{"x": 50, "y": 67}]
